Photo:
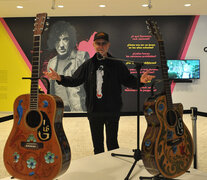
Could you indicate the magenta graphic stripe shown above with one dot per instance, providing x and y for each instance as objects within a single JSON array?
[
  {"x": 20, "y": 50},
  {"x": 187, "y": 44}
]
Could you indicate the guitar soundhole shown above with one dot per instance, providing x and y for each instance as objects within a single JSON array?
[
  {"x": 171, "y": 118},
  {"x": 33, "y": 119}
]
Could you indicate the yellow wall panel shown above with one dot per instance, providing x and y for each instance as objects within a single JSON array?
[{"x": 12, "y": 69}]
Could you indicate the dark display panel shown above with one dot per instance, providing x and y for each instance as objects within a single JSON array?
[{"x": 129, "y": 38}]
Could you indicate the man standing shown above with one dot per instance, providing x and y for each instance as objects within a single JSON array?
[{"x": 102, "y": 80}]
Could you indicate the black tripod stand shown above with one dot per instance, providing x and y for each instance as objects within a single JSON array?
[{"x": 137, "y": 153}]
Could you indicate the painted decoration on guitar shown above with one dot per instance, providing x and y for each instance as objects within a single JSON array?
[
  {"x": 172, "y": 161},
  {"x": 147, "y": 143},
  {"x": 31, "y": 163},
  {"x": 170, "y": 152},
  {"x": 31, "y": 138},
  {"x": 45, "y": 104},
  {"x": 149, "y": 111},
  {"x": 16, "y": 157},
  {"x": 37, "y": 147},
  {"x": 49, "y": 157},
  {"x": 20, "y": 111},
  {"x": 161, "y": 107}
]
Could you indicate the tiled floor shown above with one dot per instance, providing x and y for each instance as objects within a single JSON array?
[{"x": 77, "y": 131}]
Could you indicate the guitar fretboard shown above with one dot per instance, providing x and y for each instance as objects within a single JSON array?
[
  {"x": 35, "y": 73},
  {"x": 167, "y": 89}
]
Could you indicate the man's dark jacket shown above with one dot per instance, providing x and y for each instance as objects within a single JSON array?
[{"x": 115, "y": 75}]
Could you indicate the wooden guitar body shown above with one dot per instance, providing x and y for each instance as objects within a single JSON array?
[
  {"x": 37, "y": 147},
  {"x": 167, "y": 146}
]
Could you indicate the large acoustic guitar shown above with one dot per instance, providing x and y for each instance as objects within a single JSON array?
[
  {"x": 167, "y": 147},
  {"x": 37, "y": 147}
]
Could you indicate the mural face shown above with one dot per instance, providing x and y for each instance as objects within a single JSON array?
[{"x": 62, "y": 44}]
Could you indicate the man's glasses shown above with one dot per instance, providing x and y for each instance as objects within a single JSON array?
[{"x": 101, "y": 43}]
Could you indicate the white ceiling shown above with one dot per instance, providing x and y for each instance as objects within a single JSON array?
[{"x": 91, "y": 7}]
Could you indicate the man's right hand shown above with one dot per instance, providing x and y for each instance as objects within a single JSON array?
[{"x": 52, "y": 75}]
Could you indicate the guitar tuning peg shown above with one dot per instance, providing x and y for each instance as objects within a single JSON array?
[
  {"x": 48, "y": 17},
  {"x": 46, "y": 29},
  {"x": 47, "y": 23}
]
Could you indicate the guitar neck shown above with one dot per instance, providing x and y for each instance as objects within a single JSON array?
[
  {"x": 35, "y": 72},
  {"x": 164, "y": 67}
]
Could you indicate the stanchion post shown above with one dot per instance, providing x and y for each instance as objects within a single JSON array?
[{"x": 194, "y": 111}]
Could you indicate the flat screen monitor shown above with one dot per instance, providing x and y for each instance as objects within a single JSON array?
[{"x": 183, "y": 69}]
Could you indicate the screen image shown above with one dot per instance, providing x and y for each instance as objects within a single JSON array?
[{"x": 183, "y": 69}]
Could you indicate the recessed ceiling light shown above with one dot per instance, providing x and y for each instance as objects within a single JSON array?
[
  {"x": 144, "y": 5},
  {"x": 187, "y": 5},
  {"x": 102, "y": 5},
  {"x": 60, "y": 6},
  {"x": 19, "y": 7}
]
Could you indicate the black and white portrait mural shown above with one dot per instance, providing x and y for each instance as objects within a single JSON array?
[{"x": 62, "y": 38}]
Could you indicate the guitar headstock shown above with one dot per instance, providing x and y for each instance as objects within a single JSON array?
[
  {"x": 154, "y": 29},
  {"x": 40, "y": 22}
]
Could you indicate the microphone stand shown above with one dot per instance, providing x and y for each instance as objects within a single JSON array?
[{"x": 137, "y": 152}]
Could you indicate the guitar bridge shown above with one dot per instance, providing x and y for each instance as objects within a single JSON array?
[{"x": 32, "y": 145}]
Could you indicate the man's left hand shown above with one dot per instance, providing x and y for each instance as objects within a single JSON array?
[{"x": 145, "y": 78}]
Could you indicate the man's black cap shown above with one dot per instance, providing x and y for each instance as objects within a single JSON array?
[{"x": 101, "y": 35}]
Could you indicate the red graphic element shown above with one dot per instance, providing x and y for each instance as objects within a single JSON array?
[
  {"x": 99, "y": 95},
  {"x": 182, "y": 150},
  {"x": 87, "y": 46}
]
